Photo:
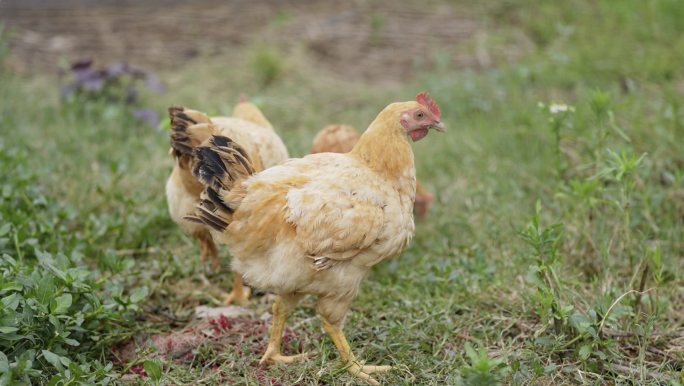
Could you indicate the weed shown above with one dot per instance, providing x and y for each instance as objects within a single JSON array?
[
  {"x": 600, "y": 105},
  {"x": 377, "y": 22},
  {"x": 483, "y": 370},
  {"x": 558, "y": 120},
  {"x": 267, "y": 64},
  {"x": 622, "y": 168},
  {"x": 109, "y": 91},
  {"x": 56, "y": 310}
]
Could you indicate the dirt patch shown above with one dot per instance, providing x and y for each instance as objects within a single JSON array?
[
  {"x": 247, "y": 338},
  {"x": 381, "y": 40}
]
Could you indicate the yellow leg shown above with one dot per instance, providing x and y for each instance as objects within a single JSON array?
[
  {"x": 203, "y": 251},
  {"x": 333, "y": 310},
  {"x": 281, "y": 308},
  {"x": 214, "y": 255},
  {"x": 240, "y": 292}
]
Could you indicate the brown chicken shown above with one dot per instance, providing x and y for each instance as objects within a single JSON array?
[
  {"x": 191, "y": 128},
  {"x": 316, "y": 225},
  {"x": 342, "y": 138}
]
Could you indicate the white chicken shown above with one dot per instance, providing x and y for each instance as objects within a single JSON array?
[{"x": 191, "y": 128}]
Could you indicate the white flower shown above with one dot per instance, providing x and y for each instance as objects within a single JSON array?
[{"x": 555, "y": 108}]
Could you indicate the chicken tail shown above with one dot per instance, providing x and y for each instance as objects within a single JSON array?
[
  {"x": 189, "y": 128},
  {"x": 220, "y": 166}
]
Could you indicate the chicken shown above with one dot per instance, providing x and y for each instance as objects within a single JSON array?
[
  {"x": 191, "y": 128},
  {"x": 249, "y": 112},
  {"x": 316, "y": 225},
  {"x": 342, "y": 138},
  {"x": 423, "y": 200},
  {"x": 335, "y": 139}
]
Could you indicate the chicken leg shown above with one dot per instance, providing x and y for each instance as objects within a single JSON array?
[
  {"x": 216, "y": 262},
  {"x": 204, "y": 248},
  {"x": 333, "y": 312},
  {"x": 240, "y": 292},
  {"x": 207, "y": 245},
  {"x": 281, "y": 308}
]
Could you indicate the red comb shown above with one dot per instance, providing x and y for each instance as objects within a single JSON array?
[
  {"x": 242, "y": 98},
  {"x": 424, "y": 99}
]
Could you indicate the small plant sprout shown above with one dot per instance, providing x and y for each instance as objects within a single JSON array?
[
  {"x": 267, "y": 64},
  {"x": 483, "y": 371},
  {"x": 559, "y": 114},
  {"x": 655, "y": 259},
  {"x": 543, "y": 245},
  {"x": 155, "y": 369},
  {"x": 651, "y": 263},
  {"x": 621, "y": 168},
  {"x": 601, "y": 106},
  {"x": 581, "y": 200}
]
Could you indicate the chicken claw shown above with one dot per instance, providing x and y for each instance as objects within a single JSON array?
[
  {"x": 363, "y": 372},
  {"x": 374, "y": 369},
  {"x": 271, "y": 357},
  {"x": 356, "y": 369},
  {"x": 240, "y": 292},
  {"x": 281, "y": 308},
  {"x": 241, "y": 297}
]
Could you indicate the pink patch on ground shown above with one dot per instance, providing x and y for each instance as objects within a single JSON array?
[
  {"x": 221, "y": 333},
  {"x": 418, "y": 134},
  {"x": 138, "y": 369}
]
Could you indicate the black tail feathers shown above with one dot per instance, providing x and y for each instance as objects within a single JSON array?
[
  {"x": 222, "y": 163},
  {"x": 181, "y": 119},
  {"x": 219, "y": 167}
]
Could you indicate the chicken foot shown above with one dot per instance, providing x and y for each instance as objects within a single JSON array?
[
  {"x": 333, "y": 319},
  {"x": 240, "y": 292},
  {"x": 281, "y": 308}
]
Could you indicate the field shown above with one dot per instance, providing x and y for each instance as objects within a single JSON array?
[{"x": 554, "y": 253}]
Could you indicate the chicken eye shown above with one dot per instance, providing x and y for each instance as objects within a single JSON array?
[{"x": 419, "y": 115}]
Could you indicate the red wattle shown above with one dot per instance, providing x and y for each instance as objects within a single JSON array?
[{"x": 417, "y": 135}]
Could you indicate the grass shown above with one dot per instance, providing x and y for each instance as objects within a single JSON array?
[{"x": 553, "y": 253}]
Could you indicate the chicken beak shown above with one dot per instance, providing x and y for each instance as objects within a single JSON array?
[{"x": 439, "y": 126}]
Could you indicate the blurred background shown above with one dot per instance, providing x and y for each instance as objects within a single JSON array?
[{"x": 352, "y": 39}]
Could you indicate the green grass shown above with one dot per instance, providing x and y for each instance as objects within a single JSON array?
[{"x": 469, "y": 276}]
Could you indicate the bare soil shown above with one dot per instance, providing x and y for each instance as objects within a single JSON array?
[{"x": 380, "y": 40}]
